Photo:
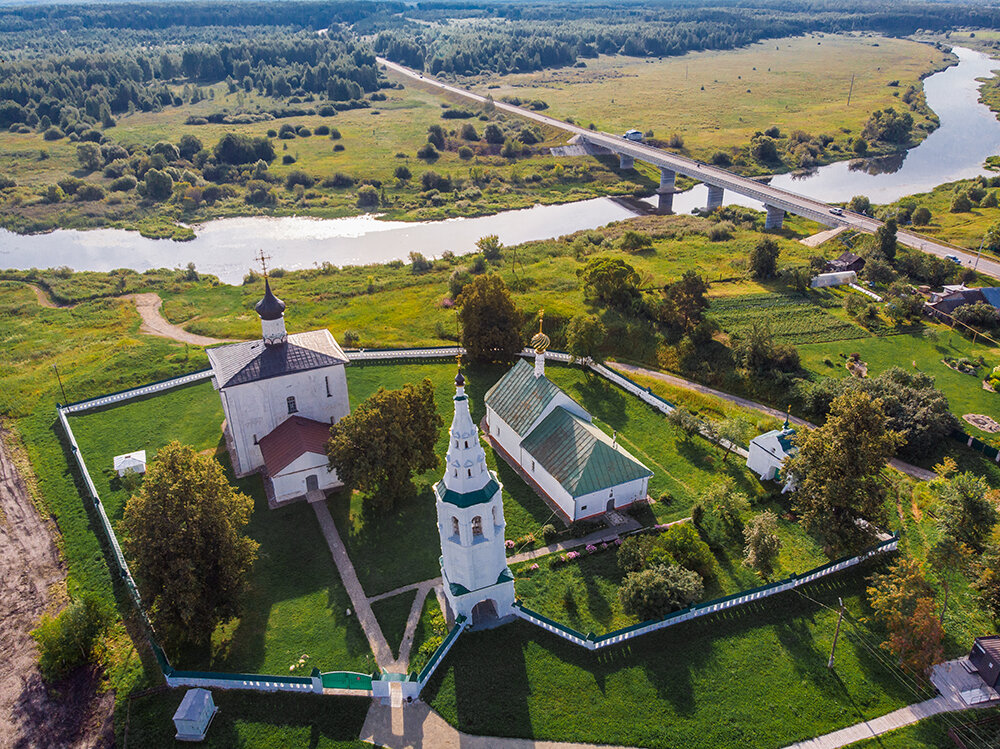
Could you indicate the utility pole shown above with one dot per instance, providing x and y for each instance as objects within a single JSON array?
[
  {"x": 836, "y": 634},
  {"x": 980, "y": 253},
  {"x": 850, "y": 90},
  {"x": 65, "y": 399}
]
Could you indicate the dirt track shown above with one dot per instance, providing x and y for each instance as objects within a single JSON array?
[
  {"x": 149, "y": 307},
  {"x": 31, "y": 576}
]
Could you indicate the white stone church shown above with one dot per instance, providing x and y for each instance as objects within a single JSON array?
[
  {"x": 551, "y": 440},
  {"x": 477, "y": 582},
  {"x": 280, "y": 395}
]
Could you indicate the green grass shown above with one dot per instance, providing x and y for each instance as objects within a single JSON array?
[
  {"x": 253, "y": 721},
  {"x": 392, "y": 614},
  {"x": 718, "y": 99},
  {"x": 430, "y": 633},
  {"x": 755, "y": 678},
  {"x": 791, "y": 318},
  {"x": 295, "y": 604},
  {"x": 917, "y": 351},
  {"x": 932, "y": 733}
]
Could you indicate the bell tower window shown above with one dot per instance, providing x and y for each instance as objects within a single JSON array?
[
  {"x": 477, "y": 526},
  {"x": 454, "y": 526}
]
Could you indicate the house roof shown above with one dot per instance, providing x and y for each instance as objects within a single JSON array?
[
  {"x": 519, "y": 397},
  {"x": 250, "y": 361},
  {"x": 129, "y": 459},
  {"x": 580, "y": 456},
  {"x": 777, "y": 440},
  {"x": 992, "y": 295},
  {"x": 990, "y": 644},
  {"x": 291, "y": 439}
]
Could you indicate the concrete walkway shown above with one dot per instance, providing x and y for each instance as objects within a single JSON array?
[
  {"x": 921, "y": 474},
  {"x": 423, "y": 590},
  {"x": 413, "y": 726},
  {"x": 359, "y": 601},
  {"x": 819, "y": 238},
  {"x": 950, "y": 679}
]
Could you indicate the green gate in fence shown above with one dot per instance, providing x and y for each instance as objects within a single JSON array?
[{"x": 346, "y": 680}]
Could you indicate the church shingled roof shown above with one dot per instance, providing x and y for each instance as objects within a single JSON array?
[
  {"x": 579, "y": 455},
  {"x": 519, "y": 397},
  {"x": 250, "y": 361}
]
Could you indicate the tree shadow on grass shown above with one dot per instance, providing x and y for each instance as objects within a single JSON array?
[{"x": 604, "y": 401}]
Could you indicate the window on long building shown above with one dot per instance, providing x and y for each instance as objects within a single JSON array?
[{"x": 292, "y": 408}]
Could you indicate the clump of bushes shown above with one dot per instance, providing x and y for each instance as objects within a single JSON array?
[{"x": 68, "y": 640}]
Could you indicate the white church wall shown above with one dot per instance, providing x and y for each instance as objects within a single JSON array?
[
  {"x": 621, "y": 495},
  {"x": 256, "y": 408},
  {"x": 290, "y": 482},
  {"x": 503, "y": 433},
  {"x": 549, "y": 484},
  {"x": 762, "y": 462}
]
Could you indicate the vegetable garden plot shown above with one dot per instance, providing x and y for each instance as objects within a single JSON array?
[{"x": 792, "y": 318}]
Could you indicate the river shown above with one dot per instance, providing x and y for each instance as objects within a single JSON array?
[{"x": 968, "y": 134}]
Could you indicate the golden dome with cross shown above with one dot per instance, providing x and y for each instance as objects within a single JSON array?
[{"x": 540, "y": 342}]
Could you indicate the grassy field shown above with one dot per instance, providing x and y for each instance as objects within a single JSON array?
[
  {"x": 392, "y": 614},
  {"x": 792, "y": 318},
  {"x": 756, "y": 678},
  {"x": 920, "y": 351},
  {"x": 373, "y": 142},
  {"x": 295, "y": 603},
  {"x": 253, "y": 721},
  {"x": 717, "y": 100}
]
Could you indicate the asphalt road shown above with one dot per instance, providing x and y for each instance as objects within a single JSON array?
[{"x": 790, "y": 202}]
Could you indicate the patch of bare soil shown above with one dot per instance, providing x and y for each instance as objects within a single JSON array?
[
  {"x": 150, "y": 309},
  {"x": 45, "y": 301},
  {"x": 31, "y": 574}
]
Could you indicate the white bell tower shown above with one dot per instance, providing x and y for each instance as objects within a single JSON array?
[{"x": 477, "y": 582}]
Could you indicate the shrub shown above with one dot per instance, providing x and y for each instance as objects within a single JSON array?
[
  {"x": 684, "y": 544},
  {"x": 720, "y": 232},
  {"x": 403, "y": 173},
  {"x": 961, "y": 203},
  {"x": 322, "y": 130},
  {"x": 338, "y": 147},
  {"x": 419, "y": 263},
  {"x": 67, "y": 640},
  {"x": 53, "y": 133},
  {"x": 334, "y": 134},
  {"x": 367, "y": 197},
  {"x": 339, "y": 179},
  {"x": 431, "y": 180},
  {"x": 287, "y": 159},
  {"x": 634, "y": 241},
  {"x": 124, "y": 183},
  {"x": 89, "y": 192},
  {"x": 465, "y": 152},
  {"x": 549, "y": 533},
  {"x": 298, "y": 177},
  {"x": 427, "y": 152},
  {"x": 654, "y": 593},
  {"x": 921, "y": 216}
]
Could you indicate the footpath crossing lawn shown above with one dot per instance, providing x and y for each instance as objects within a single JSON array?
[{"x": 392, "y": 614}]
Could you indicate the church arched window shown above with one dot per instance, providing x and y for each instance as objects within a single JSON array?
[
  {"x": 495, "y": 521},
  {"x": 477, "y": 526},
  {"x": 454, "y": 526},
  {"x": 467, "y": 444},
  {"x": 470, "y": 472},
  {"x": 292, "y": 408}
]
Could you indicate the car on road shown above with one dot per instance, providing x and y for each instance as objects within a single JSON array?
[
  {"x": 837, "y": 211},
  {"x": 953, "y": 258},
  {"x": 633, "y": 134}
]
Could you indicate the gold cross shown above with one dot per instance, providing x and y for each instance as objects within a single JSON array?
[
  {"x": 263, "y": 261},
  {"x": 541, "y": 314}
]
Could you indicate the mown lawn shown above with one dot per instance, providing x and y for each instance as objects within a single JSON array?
[
  {"x": 921, "y": 351},
  {"x": 253, "y": 721},
  {"x": 392, "y": 614},
  {"x": 754, "y": 678},
  {"x": 976, "y": 727}
]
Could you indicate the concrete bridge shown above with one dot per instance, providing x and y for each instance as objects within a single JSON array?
[{"x": 777, "y": 202}]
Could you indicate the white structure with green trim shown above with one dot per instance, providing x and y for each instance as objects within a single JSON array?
[
  {"x": 577, "y": 468},
  {"x": 477, "y": 582}
]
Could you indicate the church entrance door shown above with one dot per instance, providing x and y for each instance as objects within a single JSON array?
[
  {"x": 611, "y": 504},
  {"x": 312, "y": 482},
  {"x": 484, "y": 612}
]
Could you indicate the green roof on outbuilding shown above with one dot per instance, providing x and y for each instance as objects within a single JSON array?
[
  {"x": 519, "y": 397},
  {"x": 579, "y": 455}
]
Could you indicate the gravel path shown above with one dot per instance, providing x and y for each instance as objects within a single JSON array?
[{"x": 150, "y": 309}]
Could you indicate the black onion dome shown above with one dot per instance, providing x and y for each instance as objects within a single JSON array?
[
  {"x": 270, "y": 307},
  {"x": 460, "y": 380}
]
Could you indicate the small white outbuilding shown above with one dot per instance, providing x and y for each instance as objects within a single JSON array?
[
  {"x": 768, "y": 453},
  {"x": 823, "y": 280},
  {"x": 194, "y": 715},
  {"x": 131, "y": 462}
]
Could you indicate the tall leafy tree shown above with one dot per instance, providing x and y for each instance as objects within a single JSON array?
[
  {"x": 685, "y": 300},
  {"x": 838, "y": 468},
  {"x": 903, "y": 602},
  {"x": 387, "y": 439},
  {"x": 491, "y": 324},
  {"x": 184, "y": 533},
  {"x": 585, "y": 335},
  {"x": 968, "y": 510},
  {"x": 762, "y": 543},
  {"x": 764, "y": 259},
  {"x": 611, "y": 281}
]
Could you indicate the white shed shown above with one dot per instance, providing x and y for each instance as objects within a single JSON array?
[
  {"x": 834, "y": 279},
  {"x": 194, "y": 715},
  {"x": 131, "y": 462}
]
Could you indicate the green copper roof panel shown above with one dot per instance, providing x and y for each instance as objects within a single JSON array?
[
  {"x": 519, "y": 397},
  {"x": 478, "y": 497},
  {"x": 785, "y": 440},
  {"x": 579, "y": 455}
]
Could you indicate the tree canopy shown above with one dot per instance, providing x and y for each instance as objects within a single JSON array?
[
  {"x": 184, "y": 533},
  {"x": 387, "y": 439},
  {"x": 491, "y": 324}
]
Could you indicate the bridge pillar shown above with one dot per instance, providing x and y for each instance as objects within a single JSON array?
[
  {"x": 775, "y": 217},
  {"x": 714, "y": 197},
  {"x": 668, "y": 178},
  {"x": 625, "y": 161},
  {"x": 664, "y": 202}
]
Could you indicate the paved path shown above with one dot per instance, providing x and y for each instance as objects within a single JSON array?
[
  {"x": 359, "y": 601},
  {"x": 824, "y": 236},
  {"x": 414, "y": 726},
  {"x": 800, "y": 205},
  {"x": 921, "y": 474},
  {"x": 150, "y": 309},
  {"x": 423, "y": 589}
]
